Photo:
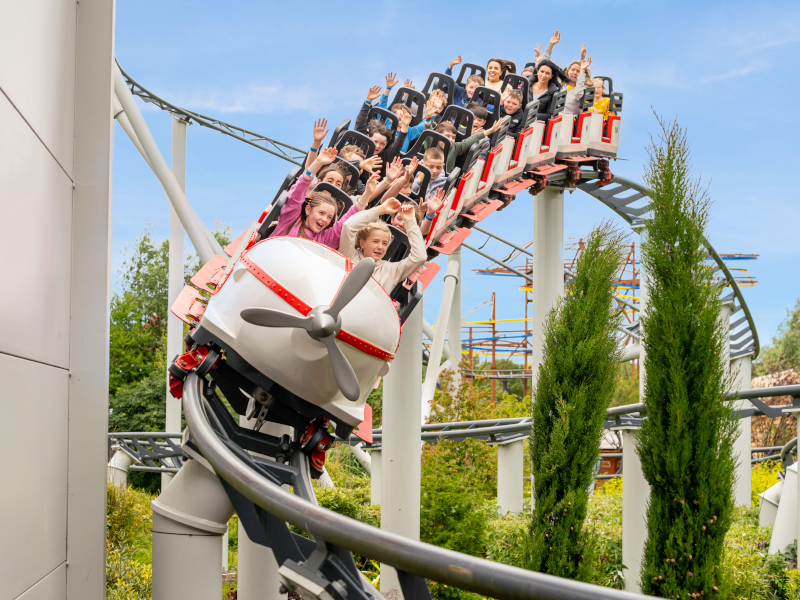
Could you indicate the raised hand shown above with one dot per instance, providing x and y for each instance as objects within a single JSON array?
[
  {"x": 585, "y": 64},
  {"x": 505, "y": 94},
  {"x": 394, "y": 170},
  {"x": 430, "y": 108},
  {"x": 372, "y": 184},
  {"x": 409, "y": 84},
  {"x": 405, "y": 120},
  {"x": 320, "y": 131},
  {"x": 583, "y": 52},
  {"x": 408, "y": 212},
  {"x": 327, "y": 156},
  {"x": 390, "y": 205},
  {"x": 412, "y": 166},
  {"x": 373, "y": 93},
  {"x": 539, "y": 55},
  {"x": 369, "y": 165},
  {"x": 455, "y": 61},
  {"x": 391, "y": 80},
  {"x": 435, "y": 201},
  {"x": 497, "y": 125},
  {"x": 555, "y": 38}
]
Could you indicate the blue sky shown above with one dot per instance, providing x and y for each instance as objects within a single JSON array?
[{"x": 725, "y": 70}]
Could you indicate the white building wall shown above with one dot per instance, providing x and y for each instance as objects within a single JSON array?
[{"x": 55, "y": 181}]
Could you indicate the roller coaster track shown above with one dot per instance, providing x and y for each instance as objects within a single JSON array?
[{"x": 262, "y": 142}]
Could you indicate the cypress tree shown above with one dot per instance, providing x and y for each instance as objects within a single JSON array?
[
  {"x": 686, "y": 441},
  {"x": 576, "y": 382}
]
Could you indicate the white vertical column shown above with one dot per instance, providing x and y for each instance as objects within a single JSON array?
[
  {"x": 635, "y": 489},
  {"x": 376, "y": 477},
  {"x": 175, "y": 280},
  {"x": 257, "y": 570},
  {"x": 548, "y": 272},
  {"x": 454, "y": 321},
  {"x": 402, "y": 444},
  {"x": 635, "y": 492},
  {"x": 509, "y": 477},
  {"x": 741, "y": 371},
  {"x": 548, "y": 263}
]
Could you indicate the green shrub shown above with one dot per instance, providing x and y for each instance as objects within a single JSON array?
[
  {"x": 128, "y": 543},
  {"x": 762, "y": 477}
]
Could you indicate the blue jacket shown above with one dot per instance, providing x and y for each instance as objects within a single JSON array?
[
  {"x": 413, "y": 132},
  {"x": 460, "y": 99}
]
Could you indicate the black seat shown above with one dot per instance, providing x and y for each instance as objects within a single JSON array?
[
  {"x": 529, "y": 116},
  {"x": 452, "y": 179},
  {"x": 343, "y": 126},
  {"x": 461, "y": 118},
  {"x": 517, "y": 82},
  {"x": 532, "y": 65},
  {"x": 399, "y": 247},
  {"x": 610, "y": 83},
  {"x": 557, "y": 103},
  {"x": 468, "y": 69},
  {"x": 426, "y": 179},
  {"x": 406, "y": 298},
  {"x": 418, "y": 149},
  {"x": 488, "y": 97},
  {"x": 413, "y": 99},
  {"x": 587, "y": 100},
  {"x": 382, "y": 115},
  {"x": 271, "y": 220},
  {"x": 468, "y": 160},
  {"x": 615, "y": 102},
  {"x": 356, "y": 138},
  {"x": 352, "y": 170},
  {"x": 499, "y": 135},
  {"x": 440, "y": 81},
  {"x": 338, "y": 195}
]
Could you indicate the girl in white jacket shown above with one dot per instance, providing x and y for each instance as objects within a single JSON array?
[{"x": 364, "y": 235}]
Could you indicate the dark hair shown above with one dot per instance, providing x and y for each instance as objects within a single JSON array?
[
  {"x": 558, "y": 75},
  {"x": 479, "y": 111},
  {"x": 502, "y": 63},
  {"x": 447, "y": 126},
  {"x": 377, "y": 127},
  {"x": 511, "y": 66}
]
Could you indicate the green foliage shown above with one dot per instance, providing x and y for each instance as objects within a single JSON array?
[
  {"x": 686, "y": 442},
  {"x": 784, "y": 351},
  {"x": 576, "y": 382},
  {"x": 627, "y": 391},
  {"x": 375, "y": 400},
  {"x": 128, "y": 544},
  {"x": 762, "y": 477},
  {"x": 140, "y": 406}
]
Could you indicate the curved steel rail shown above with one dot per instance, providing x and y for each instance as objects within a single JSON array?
[
  {"x": 445, "y": 566},
  {"x": 262, "y": 142},
  {"x": 786, "y": 453},
  {"x": 625, "y": 206}
]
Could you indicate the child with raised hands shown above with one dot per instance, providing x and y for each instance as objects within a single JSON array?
[
  {"x": 320, "y": 131},
  {"x": 463, "y": 93},
  {"x": 366, "y": 236},
  {"x": 430, "y": 208},
  {"x": 312, "y": 216}
]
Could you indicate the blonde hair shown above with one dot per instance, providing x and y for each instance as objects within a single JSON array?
[
  {"x": 433, "y": 153},
  {"x": 438, "y": 93},
  {"x": 364, "y": 233},
  {"x": 597, "y": 81},
  {"x": 313, "y": 200},
  {"x": 588, "y": 81},
  {"x": 352, "y": 149},
  {"x": 475, "y": 78}
]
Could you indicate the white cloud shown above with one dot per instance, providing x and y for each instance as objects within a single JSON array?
[{"x": 251, "y": 98}]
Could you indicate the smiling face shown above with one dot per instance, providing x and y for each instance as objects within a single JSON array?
[
  {"x": 398, "y": 222},
  {"x": 572, "y": 73},
  {"x": 375, "y": 245},
  {"x": 450, "y": 136},
  {"x": 319, "y": 217},
  {"x": 470, "y": 88},
  {"x": 545, "y": 74},
  {"x": 511, "y": 105},
  {"x": 599, "y": 89},
  {"x": 334, "y": 177},
  {"x": 493, "y": 71}
]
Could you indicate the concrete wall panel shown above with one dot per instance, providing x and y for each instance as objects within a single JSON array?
[
  {"x": 37, "y": 41},
  {"x": 34, "y": 444},
  {"x": 52, "y": 587},
  {"x": 35, "y": 239}
]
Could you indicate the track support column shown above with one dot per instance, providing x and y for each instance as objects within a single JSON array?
[
  {"x": 741, "y": 370},
  {"x": 175, "y": 281},
  {"x": 376, "y": 477},
  {"x": 635, "y": 492},
  {"x": 402, "y": 444},
  {"x": 454, "y": 322},
  {"x": 510, "y": 465}
]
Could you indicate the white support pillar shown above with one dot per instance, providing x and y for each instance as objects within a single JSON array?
[
  {"x": 635, "y": 493},
  {"x": 434, "y": 360},
  {"x": 376, "y": 477},
  {"x": 454, "y": 322},
  {"x": 117, "y": 470},
  {"x": 510, "y": 466},
  {"x": 175, "y": 281},
  {"x": 257, "y": 570},
  {"x": 548, "y": 272},
  {"x": 548, "y": 262},
  {"x": 741, "y": 371},
  {"x": 402, "y": 444}
]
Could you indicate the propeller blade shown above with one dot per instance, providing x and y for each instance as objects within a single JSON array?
[
  {"x": 345, "y": 376},
  {"x": 357, "y": 279},
  {"x": 267, "y": 317}
]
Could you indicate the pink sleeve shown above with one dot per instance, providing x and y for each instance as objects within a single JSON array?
[
  {"x": 294, "y": 201},
  {"x": 330, "y": 237}
]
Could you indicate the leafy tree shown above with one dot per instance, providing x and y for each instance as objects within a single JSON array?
[
  {"x": 140, "y": 406},
  {"x": 686, "y": 441},
  {"x": 575, "y": 384},
  {"x": 784, "y": 351}
]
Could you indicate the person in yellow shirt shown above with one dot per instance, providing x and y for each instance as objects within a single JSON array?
[{"x": 600, "y": 99}]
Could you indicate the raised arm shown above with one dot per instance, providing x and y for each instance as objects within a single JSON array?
[
  {"x": 416, "y": 258},
  {"x": 554, "y": 39},
  {"x": 453, "y": 63},
  {"x": 320, "y": 131},
  {"x": 432, "y": 206},
  {"x": 361, "y": 119},
  {"x": 391, "y": 81},
  {"x": 351, "y": 227},
  {"x": 297, "y": 193}
]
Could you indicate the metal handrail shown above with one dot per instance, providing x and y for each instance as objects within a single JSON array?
[
  {"x": 285, "y": 151},
  {"x": 786, "y": 453},
  {"x": 473, "y": 574}
]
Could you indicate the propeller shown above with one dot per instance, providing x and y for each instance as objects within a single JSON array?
[{"x": 323, "y": 323}]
